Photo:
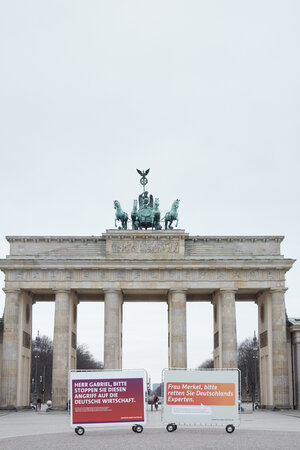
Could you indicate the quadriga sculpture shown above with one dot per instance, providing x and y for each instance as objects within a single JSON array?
[{"x": 145, "y": 212}]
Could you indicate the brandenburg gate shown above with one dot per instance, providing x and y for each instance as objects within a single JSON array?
[{"x": 143, "y": 264}]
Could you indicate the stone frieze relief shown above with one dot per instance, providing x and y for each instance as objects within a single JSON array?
[{"x": 145, "y": 275}]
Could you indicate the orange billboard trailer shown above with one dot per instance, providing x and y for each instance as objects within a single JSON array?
[{"x": 207, "y": 397}]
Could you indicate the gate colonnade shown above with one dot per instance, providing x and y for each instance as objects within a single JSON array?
[{"x": 123, "y": 265}]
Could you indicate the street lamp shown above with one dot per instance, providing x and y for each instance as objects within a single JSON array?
[
  {"x": 37, "y": 350},
  {"x": 255, "y": 357}
]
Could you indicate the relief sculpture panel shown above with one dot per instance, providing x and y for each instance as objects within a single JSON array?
[
  {"x": 145, "y": 246},
  {"x": 36, "y": 275}
]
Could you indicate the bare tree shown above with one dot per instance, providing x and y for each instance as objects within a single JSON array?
[
  {"x": 207, "y": 364},
  {"x": 85, "y": 359},
  {"x": 41, "y": 365},
  {"x": 248, "y": 365}
]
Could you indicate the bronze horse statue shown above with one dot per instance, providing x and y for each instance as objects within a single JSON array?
[
  {"x": 171, "y": 216},
  {"x": 120, "y": 215}
]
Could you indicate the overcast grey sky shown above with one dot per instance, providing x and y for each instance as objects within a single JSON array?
[{"x": 206, "y": 93}]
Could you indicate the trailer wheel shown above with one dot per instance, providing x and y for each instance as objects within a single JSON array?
[
  {"x": 79, "y": 431},
  {"x": 230, "y": 428},
  {"x": 175, "y": 427},
  {"x": 138, "y": 428},
  {"x": 171, "y": 427},
  {"x": 133, "y": 428}
]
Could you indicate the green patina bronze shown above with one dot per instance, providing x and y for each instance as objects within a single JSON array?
[
  {"x": 171, "y": 216},
  {"x": 148, "y": 214},
  {"x": 143, "y": 174},
  {"x": 145, "y": 213},
  {"x": 120, "y": 215}
]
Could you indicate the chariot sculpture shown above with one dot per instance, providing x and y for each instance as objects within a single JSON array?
[{"x": 145, "y": 212}]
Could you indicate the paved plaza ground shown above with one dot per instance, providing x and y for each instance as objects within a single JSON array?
[{"x": 51, "y": 430}]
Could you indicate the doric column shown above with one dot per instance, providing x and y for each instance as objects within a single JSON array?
[
  {"x": 177, "y": 329},
  {"x": 264, "y": 304},
  {"x": 225, "y": 343},
  {"x": 113, "y": 301},
  {"x": 296, "y": 342},
  {"x": 10, "y": 355},
  {"x": 279, "y": 350},
  {"x": 64, "y": 345},
  {"x": 25, "y": 347}
]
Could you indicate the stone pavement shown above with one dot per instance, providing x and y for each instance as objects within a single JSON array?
[{"x": 258, "y": 430}]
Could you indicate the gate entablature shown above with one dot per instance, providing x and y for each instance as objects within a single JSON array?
[{"x": 145, "y": 260}]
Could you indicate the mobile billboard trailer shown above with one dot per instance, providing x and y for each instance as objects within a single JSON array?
[
  {"x": 201, "y": 398},
  {"x": 108, "y": 398}
]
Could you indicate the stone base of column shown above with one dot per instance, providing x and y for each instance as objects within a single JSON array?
[
  {"x": 275, "y": 407},
  {"x": 12, "y": 408}
]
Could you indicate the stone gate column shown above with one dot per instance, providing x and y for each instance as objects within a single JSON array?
[
  {"x": 296, "y": 340},
  {"x": 16, "y": 354},
  {"x": 273, "y": 358},
  {"x": 64, "y": 345},
  {"x": 225, "y": 344},
  {"x": 113, "y": 301},
  {"x": 177, "y": 329},
  {"x": 264, "y": 303},
  {"x": 279, "y": 350},
  {"x": 25, "y": 346},
  {"x": 10, "y": 355}
]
